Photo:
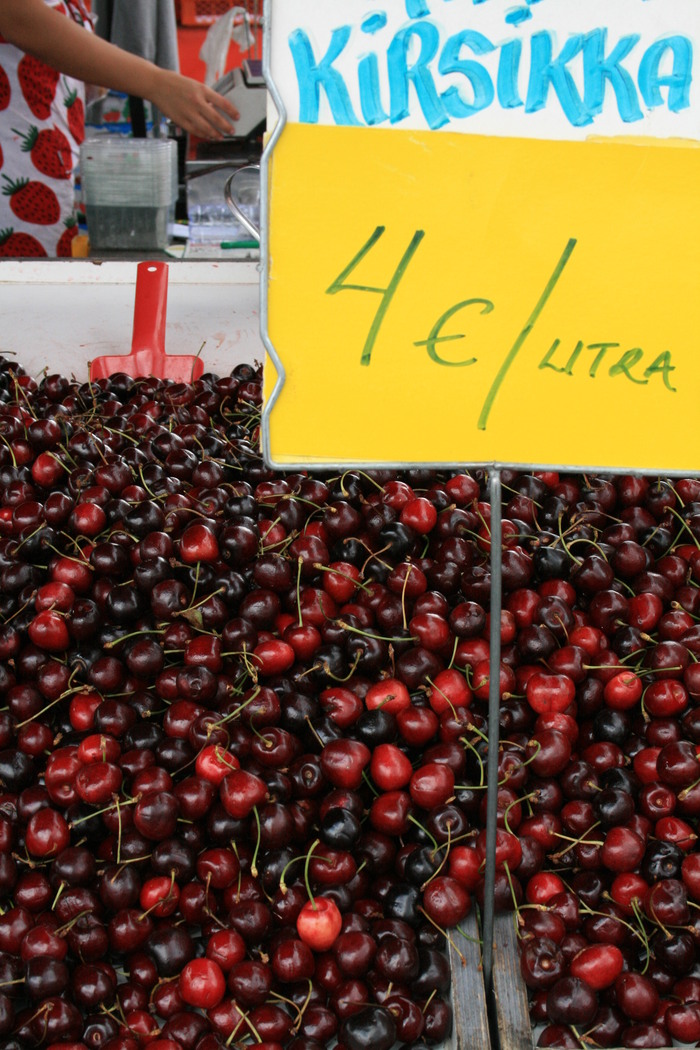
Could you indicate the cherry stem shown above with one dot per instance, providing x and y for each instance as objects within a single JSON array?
[
  {"x": 682, "y": 795},
  {"x": 575, "y": 842},
  {"x": 59, "y": 891},
  {"x": 444, "y": 695},
  {"x": 253, "y": 863},
  {"x": 106, "y": 809},
  {"x": 119, "y": 829},
  {"x": 368, "y": 634},
  {"x": 300, "y": 564},
  {"x": 471, "y": 747},
  {"x": 516, "y": 906},
  {"x": 418, "y": 824},
  {"x": 515, "y": 802},
  {"x": 642, "y": 932},
  {"x": 455, "y": 646},
  {"x": 448, "y": 937},
  {"x": 403, "y": 600},
  {"x": 68, "y": 692},
  {"x": 369, "y": 784},
  {"x": 312, "y": 847},
  {"x": 241, "y": 707},
  {"x": 348, "y": 676},
  {"x": 344, "y": 575},
  {"x": 443, "y": 861}
]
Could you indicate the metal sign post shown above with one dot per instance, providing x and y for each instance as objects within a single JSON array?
[{"x": 487, "y": 920}]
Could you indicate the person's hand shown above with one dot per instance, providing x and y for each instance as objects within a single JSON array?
[{"x": 194, "y": 106}]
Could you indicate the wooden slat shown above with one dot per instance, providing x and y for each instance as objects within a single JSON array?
[
  {"x": 471, "y": 1027},
  {"x": 511, "y": 1019}
]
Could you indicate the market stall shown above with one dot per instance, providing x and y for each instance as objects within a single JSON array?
[{"x": 350, "y": 679}]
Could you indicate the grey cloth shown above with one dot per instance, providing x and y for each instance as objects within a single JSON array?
[{"x": 143, "y": 27}]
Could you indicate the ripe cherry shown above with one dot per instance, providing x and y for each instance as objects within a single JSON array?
[
  {"x": 319, "y": 922},
  {"x": 202, "y": 983}
]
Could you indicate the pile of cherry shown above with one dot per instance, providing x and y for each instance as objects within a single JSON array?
[{"x": 243, "y": 739}]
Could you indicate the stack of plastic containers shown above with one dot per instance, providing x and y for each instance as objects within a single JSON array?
[{"x": 129, "y": 190}]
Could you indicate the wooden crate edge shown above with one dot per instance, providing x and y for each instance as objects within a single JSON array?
[{"x": 469, "y": 1002}]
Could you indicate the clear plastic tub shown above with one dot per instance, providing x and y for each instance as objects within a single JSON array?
[
  {"x": 129, "y": 226},
  {"x": 129, "y": 190}
]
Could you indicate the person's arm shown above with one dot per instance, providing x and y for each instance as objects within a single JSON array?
[{"x": 34, "y": 27}]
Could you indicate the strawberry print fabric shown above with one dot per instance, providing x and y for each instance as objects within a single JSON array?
[{"x": 42, "y": 123}]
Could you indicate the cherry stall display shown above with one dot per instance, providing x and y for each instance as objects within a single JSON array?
[
  {"x": 238, "y": 748},
  {"x": 244, "y": 738}
]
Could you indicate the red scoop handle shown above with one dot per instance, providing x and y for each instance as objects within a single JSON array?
[
  {"x": 148, "y": 356},
  {"x": 150, "y": 311}
]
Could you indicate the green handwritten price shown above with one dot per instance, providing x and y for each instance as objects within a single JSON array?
[{"x": 623, "y": 365}]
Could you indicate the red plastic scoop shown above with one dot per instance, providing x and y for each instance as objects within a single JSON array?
[{"x": 148, "y": 356}]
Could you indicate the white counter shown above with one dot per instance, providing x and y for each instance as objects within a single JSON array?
[{"x": 59, "y": 314}]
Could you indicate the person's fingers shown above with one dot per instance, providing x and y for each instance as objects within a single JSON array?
[
  {"x": 218, "y": 122},
  {"x": 223, "y": 104}
]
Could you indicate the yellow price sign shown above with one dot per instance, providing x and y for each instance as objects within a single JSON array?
[{"x": 442, "y": 295}]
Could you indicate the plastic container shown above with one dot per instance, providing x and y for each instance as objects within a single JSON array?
[
  {"x": 210, "y": 219},
  {"x": 129, "y": 190}
]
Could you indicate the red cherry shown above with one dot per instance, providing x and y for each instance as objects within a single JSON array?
[
  {"x": 58, "y": 596},
  {"x": 390, "y": 694},
  {"x": 47, "y": 833},
  {"x": 623, "y": 691},
  {"x": 341, "y": 580},
  {"x": 88, "y": 519},
  {"x": 599, "y": 965},
  {"x": 98, "y": 747},
  {"x": 622, "y": 849},
  {"x": 449, "y": 690},
  {"x": 198, "y": 544},
  {"x": 97, "y": 782},
  {"x": 389, "y": 767},
  {"x": 273, "y": 657},
  {"x": 482, "y": 676},
  {"x": 677, "y": 831},
  {"x": 214, "y": 762},
  {"x": 390, "y": 812},
  {"x": 432, "y": 784},
  {"x": 342, "y": 705},
  {"x": 419, "y": 514},
  {"x": 446, "y": 900},
  {"x": 226, "y": 948},
  {"x": 202, "y": 984},
  {"x": 644, "y": 764},
  {"x": 397, "y": 494},
  {"x": 304, "y": 640},
  {"x": 48, "y": 630},
  {"x": 463, "y": 489},
  {"x": 465, "y": 865},
  {"x": 319, "y": 922},
  {"x": 241, "y": 791},
  {"x": 417, "y": 725},
  {"x": 549, "y": 693},
  {"x": 665, "y": 698},
  {"x": 637, "y": 996},
  {"x": 628, "y": 888},
  {"x": 542, "y": 887},
  {"x": 431, "y": 630},
  {"x": 159, "y": 896},
  {"x": 343, "y": 762},
  {"x": 73, "y": 571}
]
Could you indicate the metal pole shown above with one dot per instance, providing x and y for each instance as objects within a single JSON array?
[{"x": 493, "y": 726}]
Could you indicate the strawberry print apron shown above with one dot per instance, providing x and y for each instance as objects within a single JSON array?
[{"x": 42, "y": 123}]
